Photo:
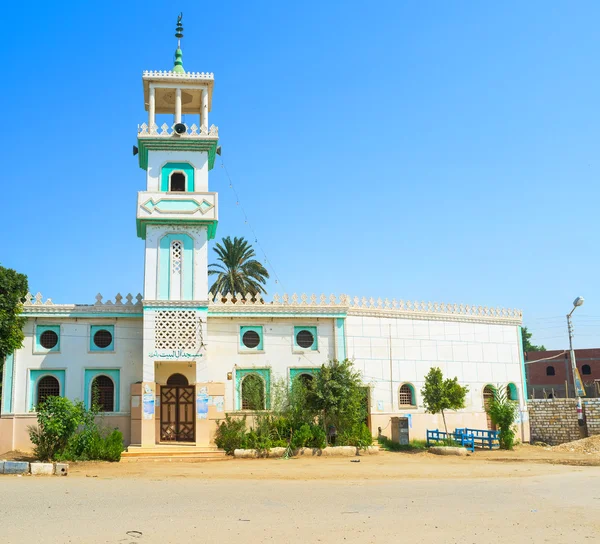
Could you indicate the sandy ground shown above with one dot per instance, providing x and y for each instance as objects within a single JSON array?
[{"x": 383, "y": 498}]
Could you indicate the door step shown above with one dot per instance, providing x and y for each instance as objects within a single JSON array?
[{"x": 165, "y": 452}]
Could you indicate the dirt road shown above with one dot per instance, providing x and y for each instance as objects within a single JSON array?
[{"x": 384, "y": 498}]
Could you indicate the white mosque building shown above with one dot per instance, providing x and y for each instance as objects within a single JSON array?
[{"x": 172, "y": 362}]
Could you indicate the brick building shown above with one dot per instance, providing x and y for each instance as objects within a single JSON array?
[{"x": 548, "y": 371}]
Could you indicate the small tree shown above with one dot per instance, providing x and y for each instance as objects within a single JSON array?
[
  {"x": 338, "y": 396},
  {"x": 441, "y": 394},
  {"x": 503, "y": 413},
  {"x": 13, "y": 288}
]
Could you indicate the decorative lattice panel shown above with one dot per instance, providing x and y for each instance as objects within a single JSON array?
[
  {"x": 177, "y": 329},
  {"x": 176, "y": 253}
]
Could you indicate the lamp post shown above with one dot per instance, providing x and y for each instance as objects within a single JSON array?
[{"x": 576, "y": 380}]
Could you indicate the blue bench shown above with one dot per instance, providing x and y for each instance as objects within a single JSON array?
[
  {"x": 435, "y": 436},
  {"x": 481, "y": 437}
]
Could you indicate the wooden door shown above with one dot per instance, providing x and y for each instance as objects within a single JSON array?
[{"x": 177, "y": 414}]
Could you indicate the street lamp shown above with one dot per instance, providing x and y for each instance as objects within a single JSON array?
[{"x": 576, "y": 379}]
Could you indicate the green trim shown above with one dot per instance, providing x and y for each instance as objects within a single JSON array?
[
  {"x": 161, "y": 143},
  {"x": 7, "y": 386},
  {"x": 39, "y": 329},
  {"x": 211, "y": 225},
  {"x": 340, "y": 338},
  {"x": 171, "y": 167},
  {"x": 94, "y": 329},
  {"x": 311, "y": 329},
  {"x": 513, "y": 393},
  {"x": 522, "y": 356},
  {"x": 164, "y": 259},
  {"x": 113, "y": 373},
  {"x": 34, "y": 378},
  {"x": 295, "y": 372},
  {"x": 178, "y": 64},
  {"x": 257, "y": 329},
  {"x": 241, "y": 373}
]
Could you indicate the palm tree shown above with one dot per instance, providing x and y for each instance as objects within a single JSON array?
[{"x": 237, "y": 271}]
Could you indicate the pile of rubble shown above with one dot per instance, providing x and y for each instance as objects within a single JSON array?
[{"x": 589, "y": 445}]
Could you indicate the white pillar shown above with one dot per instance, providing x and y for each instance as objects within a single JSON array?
[
  {"x": 204, "y": 111},
  {"x": 177, "y": 105},
  {"x": 151, "y": 109}
]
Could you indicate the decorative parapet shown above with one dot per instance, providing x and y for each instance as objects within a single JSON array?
[
  {"x": 362, "y": 306},
  {"x": 35, "y": 304},
  {"x": 176, "y": 75},
  {"x": 166, "y": 131}
]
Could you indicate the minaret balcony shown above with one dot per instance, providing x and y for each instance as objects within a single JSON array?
[
  {"x": 174, "y": 208},
  {"x": 167, "y": 138}
]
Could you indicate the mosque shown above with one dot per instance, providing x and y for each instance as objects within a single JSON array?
[{"x": 168, "y": 364}]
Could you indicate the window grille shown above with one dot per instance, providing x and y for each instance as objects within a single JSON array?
[
  {"x": 177, "y": 329},
  {"x": 253, "y": 393},
  {"x": 405, "y": 396},
  {"x": 176, "y": 256},
  {"x": 103, "y": 338},
  {"x": 251, "y": 339},
  {"x": 48, "y": 339},
  {"x": 305, "y": 339},
  {"x": 103, "y": 393},
  {"x": 47, "y": 387}
]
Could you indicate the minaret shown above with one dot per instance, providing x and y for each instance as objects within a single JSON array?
[{"x": 176, "y": 216}]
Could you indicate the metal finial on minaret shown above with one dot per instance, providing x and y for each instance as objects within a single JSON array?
[{"x": 178, "y": 67}]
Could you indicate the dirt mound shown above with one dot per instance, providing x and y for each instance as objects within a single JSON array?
[{"x": 585, "y": 445}]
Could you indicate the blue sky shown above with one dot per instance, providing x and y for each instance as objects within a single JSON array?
[{"x": 443, "y": 151}]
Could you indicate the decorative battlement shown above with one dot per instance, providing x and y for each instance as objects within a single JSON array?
[
  {"x": 154, "y": 74},
  {"x": 166, "y": 131},
  {"x": 35, "y": 304}
]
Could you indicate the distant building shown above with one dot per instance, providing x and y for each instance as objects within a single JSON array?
[{"x": 548, "y": 372}]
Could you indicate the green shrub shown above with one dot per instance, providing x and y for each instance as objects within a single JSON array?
[
  {"x": 503, "y": 413},
  {"x": 414, "y": 445},
  {"x": 58, "y": 419},
  {"x": 302, "y": 437},
  {"x": 231, "y": 434},
  {"x": 319, "y": 438},
  {"x": 359, "y": 436}
]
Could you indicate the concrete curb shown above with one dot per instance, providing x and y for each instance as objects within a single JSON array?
[
  {"x": 335, "y": 451},
  {"x": 35, "y": 469},
  {"x": 448, "y": 450}
]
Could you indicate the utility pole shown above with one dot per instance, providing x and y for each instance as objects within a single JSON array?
[{"x": 576, "y": 379}]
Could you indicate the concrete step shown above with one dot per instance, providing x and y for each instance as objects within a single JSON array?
[{"x": 168, "y": 451}]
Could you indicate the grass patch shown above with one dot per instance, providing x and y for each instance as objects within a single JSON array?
[{"x": 414, "y": 446}]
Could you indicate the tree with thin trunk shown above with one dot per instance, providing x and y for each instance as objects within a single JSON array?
[
  {"x": 441, "y": 394},
  {"x": 13, "y": 288},
  {"x": 237, "y": 269}
]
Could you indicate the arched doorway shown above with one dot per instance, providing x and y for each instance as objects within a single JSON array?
[
  {"x": 177, "y": 414},
  {"x": 488, "y": 395}
]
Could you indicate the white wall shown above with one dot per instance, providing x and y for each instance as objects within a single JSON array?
[
  {"x": 157, "y": 159},
  {"x": 74, "y": 357},
  {"x": 478, "y": 354},
  {"x": 223, "y": 352}
]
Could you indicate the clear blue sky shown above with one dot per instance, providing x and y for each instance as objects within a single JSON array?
[{"x": 443, "y": 151}]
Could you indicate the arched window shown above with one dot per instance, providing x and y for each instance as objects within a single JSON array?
[
  {"x": 177, "y": 182},
  {"x": 103, "y": 393},
  {"x": 586, "y": 369},
  {"x": 511, "y": 392},
  {"x": 177, "y": 379},
  {"x": 488, "y": 396},
  {"x": 406, "y": 395},
  {"x": 253, "y": 392},
  {"x": 47, "y": 387},
  {"x": 550, "y": 371}
]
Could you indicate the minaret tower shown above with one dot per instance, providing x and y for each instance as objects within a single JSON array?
[{"x": 176, "y": 217}]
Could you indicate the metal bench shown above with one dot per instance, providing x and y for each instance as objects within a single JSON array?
[
  {"x": 481, "y": 437},
  {"x": 436, "y": 436}
]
